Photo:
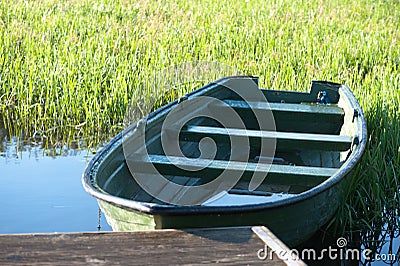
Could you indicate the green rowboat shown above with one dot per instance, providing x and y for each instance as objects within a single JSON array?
[{"x": 232, "y": 154}]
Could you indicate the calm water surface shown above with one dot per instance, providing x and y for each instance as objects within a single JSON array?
[{"x": 40, "y": 192}]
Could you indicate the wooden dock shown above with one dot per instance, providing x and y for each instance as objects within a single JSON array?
[{"x": 233, "y": 246}]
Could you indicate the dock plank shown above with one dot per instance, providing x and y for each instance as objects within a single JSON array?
[{"x": 235, "y": 246}]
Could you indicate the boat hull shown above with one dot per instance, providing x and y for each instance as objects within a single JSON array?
[{"x": 293, "y": 219}]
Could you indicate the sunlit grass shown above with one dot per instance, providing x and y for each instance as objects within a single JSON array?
[{"x": 68, "y": 69}]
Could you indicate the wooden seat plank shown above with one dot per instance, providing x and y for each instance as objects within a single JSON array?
[
  {"x": 287, "y": 107},
  {"x": 275, "y": 174},
  {"x": 284, "y": 139},
  {"x": 291, "y": 117}
]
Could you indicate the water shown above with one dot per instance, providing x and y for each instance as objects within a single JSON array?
[{"x": 41, "y": 192}]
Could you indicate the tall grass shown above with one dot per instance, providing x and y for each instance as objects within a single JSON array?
[{"x": 68, "y": 69}]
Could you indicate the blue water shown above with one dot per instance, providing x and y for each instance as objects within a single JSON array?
[{"x": 40, "y": 192}]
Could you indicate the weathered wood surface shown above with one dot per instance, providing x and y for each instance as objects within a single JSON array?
[
  {"x": 233, "y": 246},
  {"x": 274, "y": 243}
]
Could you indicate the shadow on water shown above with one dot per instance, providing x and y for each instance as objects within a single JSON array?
[{"x": 41, "y": 191}]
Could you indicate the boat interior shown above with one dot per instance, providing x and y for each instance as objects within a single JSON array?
[{"x": 309, "y": 141}]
